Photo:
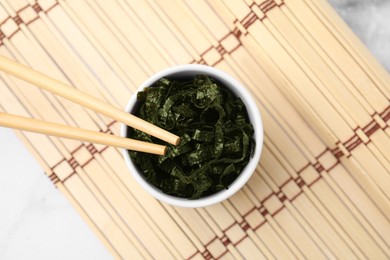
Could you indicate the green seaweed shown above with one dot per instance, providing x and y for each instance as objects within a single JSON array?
[{"x": 216, "y": 136}]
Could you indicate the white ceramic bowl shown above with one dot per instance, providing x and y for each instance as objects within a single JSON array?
[{"x": 254, "y": 116}]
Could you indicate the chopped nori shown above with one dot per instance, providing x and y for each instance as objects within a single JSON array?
[{"x": 216, "y": 136}]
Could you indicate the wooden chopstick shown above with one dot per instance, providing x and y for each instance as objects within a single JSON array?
[
  {"x": 43, "y": 127},
  {"x": 61, "y": 89}
]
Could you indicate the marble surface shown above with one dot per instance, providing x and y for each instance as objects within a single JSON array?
[{"x": 36, "y": 221}]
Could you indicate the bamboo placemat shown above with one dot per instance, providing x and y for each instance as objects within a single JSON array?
[{"x": 322, "y": 188}]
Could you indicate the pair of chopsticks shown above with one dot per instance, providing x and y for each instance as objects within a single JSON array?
[{"x": 47, "y": 83}]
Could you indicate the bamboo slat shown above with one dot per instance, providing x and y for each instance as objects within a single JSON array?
[{"x": 321, "y": 189}]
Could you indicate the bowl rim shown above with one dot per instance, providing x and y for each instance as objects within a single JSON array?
[{"x": 256, "y": 120}]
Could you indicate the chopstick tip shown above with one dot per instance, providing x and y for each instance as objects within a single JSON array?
[
  {"x": 177, "y": 141},
  {"x": 165, "y": 150}
]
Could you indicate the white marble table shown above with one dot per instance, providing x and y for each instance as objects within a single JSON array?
[{"x": 36, "y": 222}]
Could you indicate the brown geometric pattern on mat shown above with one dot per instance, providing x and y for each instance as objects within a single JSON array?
[
  {"x": 288, "y": 191},
  {"x": 231, "y": 42},
  {"x": 80, "y": 157},
  {"x": 362, "y": 134},
  {"x": 308, "y": 175},
  {"x": 212, "y": 56},
  {"x": 26, "y": 15},
  {"x": 274, "y": 202},
  {"x": 326, "y": 160}
]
